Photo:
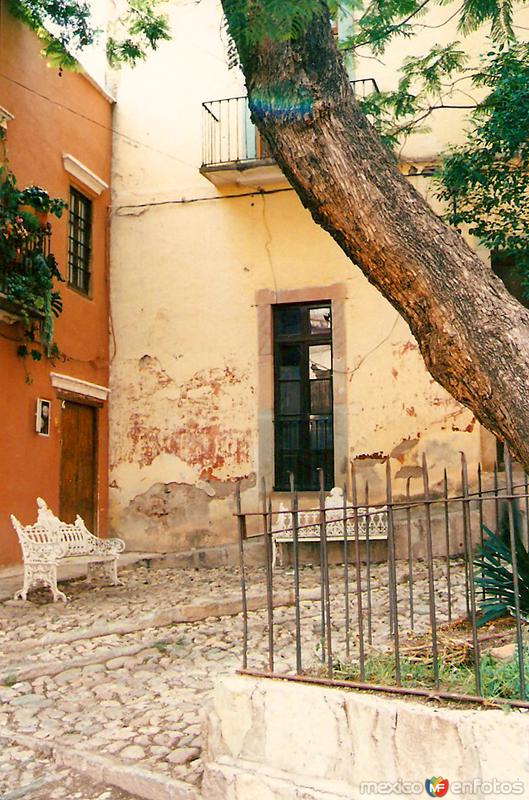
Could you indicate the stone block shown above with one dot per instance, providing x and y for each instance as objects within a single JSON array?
[{"x": 293, "y": 741}]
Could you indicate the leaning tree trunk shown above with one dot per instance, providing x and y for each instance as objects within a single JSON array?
[{"x": 473, "y": 335}]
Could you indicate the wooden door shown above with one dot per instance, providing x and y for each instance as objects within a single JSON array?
[{"x": 78, "y": 463}]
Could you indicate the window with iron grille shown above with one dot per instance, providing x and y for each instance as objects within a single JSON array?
[
  {"x": 79, "y": 241},
  {"x": 303, "y": 405}
]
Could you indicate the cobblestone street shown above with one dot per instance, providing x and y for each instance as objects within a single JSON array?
[{"x": 114, "y": 678}]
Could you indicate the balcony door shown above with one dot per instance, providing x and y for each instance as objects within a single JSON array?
[{"x": 303, "y": 404}]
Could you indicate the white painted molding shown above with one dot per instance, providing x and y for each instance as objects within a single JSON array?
[
  {"x": 5, "y": 117},
  {"x": 77, "y": 386},
  {"x": 84, "y": 175}
]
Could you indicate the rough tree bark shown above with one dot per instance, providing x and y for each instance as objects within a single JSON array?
[{"x": 473, "y": 335}]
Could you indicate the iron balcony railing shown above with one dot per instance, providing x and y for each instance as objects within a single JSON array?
[
  {"x": 229, "y": 135},
  {"x": 26, "y": 248}
]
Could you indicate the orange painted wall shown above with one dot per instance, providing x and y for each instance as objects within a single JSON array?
[{"x": 53, "y": 115}]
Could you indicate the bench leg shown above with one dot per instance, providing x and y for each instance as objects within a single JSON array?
[
  {"x": 274, "y": 553},
  {"x": 40, "y": 574},
  {"x": 53, "y": 586},
  {"x": 109, "y": 570}
]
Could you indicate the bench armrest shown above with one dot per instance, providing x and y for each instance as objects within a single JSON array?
[{"x": 109, "y": 546}]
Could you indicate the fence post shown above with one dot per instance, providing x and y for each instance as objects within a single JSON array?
[
  {"x": 267, "y": 525},
  {"x": 514, "y": 557},
  {"x": 480, "y": 509},
  {"x": 359, "y": 606},
  {"x": 447, "y": 545},
  {"x": 429, "y": 551},
  {"x": 324, "y": 562},
  {"x": 241, "y": 526},
  {"x": 368, "y": 570},
  {"x": 392, "y": 582},
  {"x": 347, "y": 620},
  {"x": 467, "y": 527},
  {"x": 295, "y": 554},
  {"x": 410, "y": 554},
  {"x": 526, "y": 492}
]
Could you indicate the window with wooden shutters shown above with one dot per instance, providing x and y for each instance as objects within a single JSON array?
[
  {"x": 303, "y": 415},
  {"x": 79, "y": 241}
]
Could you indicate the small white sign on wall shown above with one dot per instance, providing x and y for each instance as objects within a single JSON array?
[{"x": 43, "y": 417}]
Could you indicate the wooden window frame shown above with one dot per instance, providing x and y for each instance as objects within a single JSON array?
[
  {"x": 306, "y": 479},
  {"x": 79, "y": 244}
]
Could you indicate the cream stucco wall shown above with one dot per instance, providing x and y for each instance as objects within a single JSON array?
[{"x": 191, "y": 378}]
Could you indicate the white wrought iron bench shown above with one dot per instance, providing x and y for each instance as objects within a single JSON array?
[
  {"x": 374, "y": 522},
  {"x": 50, "y": 541}
]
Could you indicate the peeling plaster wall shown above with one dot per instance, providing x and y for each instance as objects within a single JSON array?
[{"x": 188, "y": 260}]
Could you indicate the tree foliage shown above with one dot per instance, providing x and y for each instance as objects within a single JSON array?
[
  {"x": 65, "y": 28},
  {"x": 485, "y": 182}
]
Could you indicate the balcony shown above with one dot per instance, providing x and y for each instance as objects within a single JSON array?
[
  {"x": 16, "y": 300},
  {"x": 233, "y": 152}
]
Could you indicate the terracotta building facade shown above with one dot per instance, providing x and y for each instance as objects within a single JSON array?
[{"x": 56, "y": 134}]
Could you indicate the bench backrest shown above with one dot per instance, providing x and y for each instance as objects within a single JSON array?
[
  {"x": 376, "y": 516},
  {"x": 77, "y": 539},
  {"x": 75, "y": 536},
  {"x": 39, "y": 543}
]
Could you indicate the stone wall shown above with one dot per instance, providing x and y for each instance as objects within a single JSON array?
[{"x": 271, "y": 739}]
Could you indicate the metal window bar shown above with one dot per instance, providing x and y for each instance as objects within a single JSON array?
[
  {"x": 79, "y": 241},
  {"x": 229, "y": 135},
  {"x": 417, "y": 589}
]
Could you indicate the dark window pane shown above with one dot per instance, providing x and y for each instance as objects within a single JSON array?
[
  {"x": 320, "y": 320},
  {"x": 289, "y": 397},
  {"x": 290, "y": 362},
  {"x": 289, "y": 463},
  {"x": 288, "y": 434},
  {"x": 320, "y": 397},
  {"x": 289, "y": 320},
  {"x": 320, "y": 361},
  {"x": 321, "y": 433}
]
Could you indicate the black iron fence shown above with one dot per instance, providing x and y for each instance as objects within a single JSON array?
[
  {"x": 229, "y": 134},
  {"x": 439, "y": 612}
]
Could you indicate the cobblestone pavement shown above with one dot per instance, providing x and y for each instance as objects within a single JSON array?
[
  {"x": 26, "y": 774},
  {"x": 137, "y": 695}
]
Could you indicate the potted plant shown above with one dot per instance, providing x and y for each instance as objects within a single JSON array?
[{"x": 37, "y": 201}]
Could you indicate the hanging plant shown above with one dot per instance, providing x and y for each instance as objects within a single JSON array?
[{"x": 27, "y": 267}]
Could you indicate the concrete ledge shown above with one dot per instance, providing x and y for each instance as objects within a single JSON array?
[
  {"x": 226, "y": 555},
  {"x": 295, "y": 741},
  {"x": 131, "y": 778},
  {"x": 103, "y": 769}
]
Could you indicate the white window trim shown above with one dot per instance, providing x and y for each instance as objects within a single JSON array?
[
  {"x": 84, "y": 175},
  {"x": 69, "y": 384}
]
